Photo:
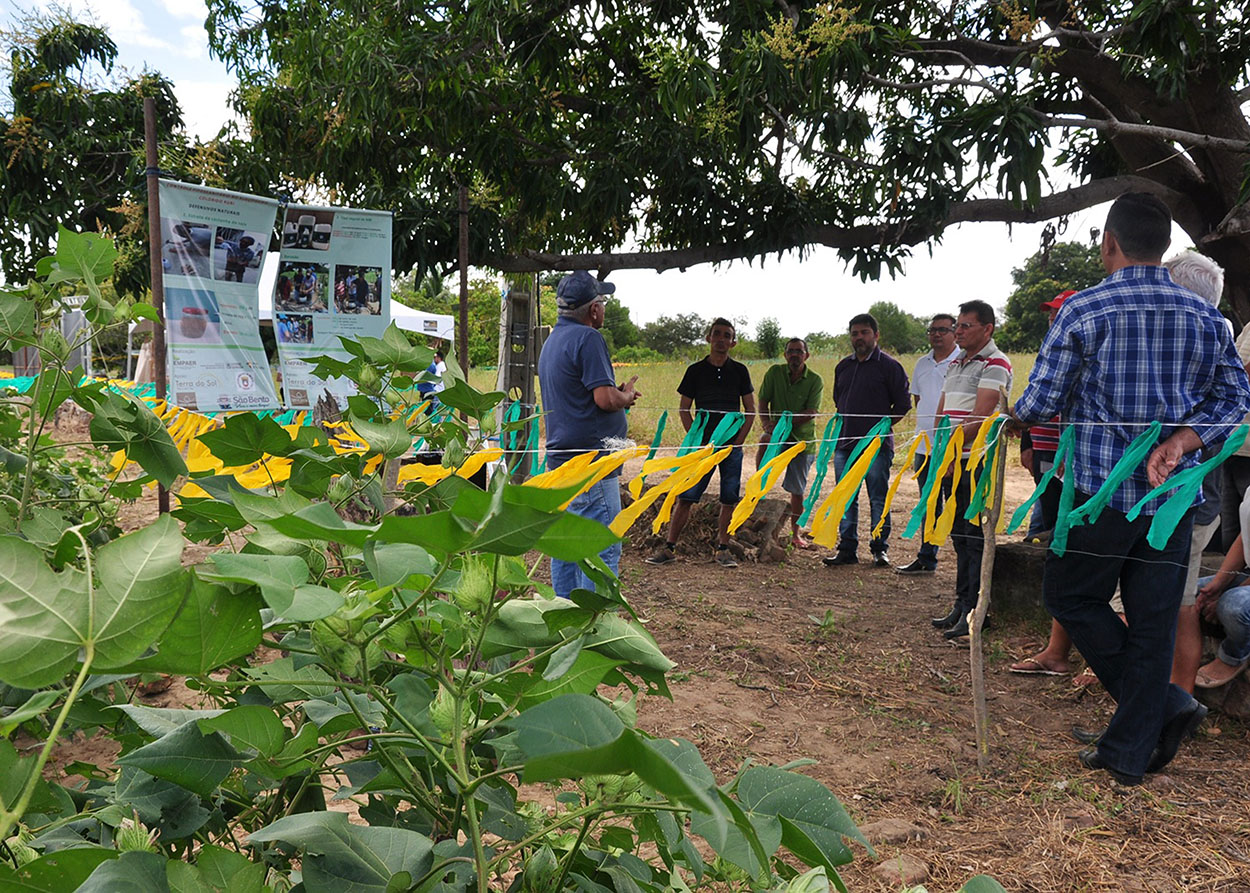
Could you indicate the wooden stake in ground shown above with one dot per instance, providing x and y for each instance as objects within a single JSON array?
[
  {"x": 989, "y": 523},
  {"x": 153, "y": 175}
]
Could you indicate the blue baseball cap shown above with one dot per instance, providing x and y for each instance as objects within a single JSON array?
[{"x": 581, "y": 288}]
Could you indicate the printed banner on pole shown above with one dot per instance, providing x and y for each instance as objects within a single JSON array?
[
  {"x": 334, "y": 281},
  {"x": 212, "y": 246}
]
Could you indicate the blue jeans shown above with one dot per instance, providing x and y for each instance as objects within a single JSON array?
[
  {"x": 928, "y": 552},
  {"x": 1133, "y": 660},
  {"x": 601, "y": 503},
  {"x": 878, "y": 484},
  {"x": 1234, "y": 614},
  {"x": 730, "y": 472}
]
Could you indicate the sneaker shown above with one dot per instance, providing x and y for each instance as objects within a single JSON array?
[
  {"x": 916, "y": 568},
  {"x": 881, "y": 559},
  {"x": 840, "y": 559},
  {"x": 725, "y": 558},
  {"x": 662, "y": 555}
]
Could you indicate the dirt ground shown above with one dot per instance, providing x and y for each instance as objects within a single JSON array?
[
  {"x": 841, "y": 666},
  {"x": 790, "y": 661}
]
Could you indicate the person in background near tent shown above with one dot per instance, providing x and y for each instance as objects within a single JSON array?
[
  {"x": 977, "y": 383},
  {"x": 926, "y": 390},
  {"x": 867, "y": 385},
  {"x": 437, "y": 367},
  {"x": 717, "y": 384},
  {"x": 585, "y": 408},
  {"x": 1132, "y": 350},
  {"x": 791, "y": 386}
]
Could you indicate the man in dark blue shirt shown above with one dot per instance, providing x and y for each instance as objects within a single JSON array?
[
  {"x": 585, "y": 409},
  {"x": 867, "y": 385}
]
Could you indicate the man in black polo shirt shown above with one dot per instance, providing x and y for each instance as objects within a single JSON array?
[
  {"x": 867, "y": 385},
  {"x": 716, "y": 384}
]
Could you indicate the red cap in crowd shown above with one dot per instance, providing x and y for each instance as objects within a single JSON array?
[{"x": 1056, "y": 302}]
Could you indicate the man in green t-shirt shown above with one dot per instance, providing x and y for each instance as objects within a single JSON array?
[{"x": 792, "y": 386}]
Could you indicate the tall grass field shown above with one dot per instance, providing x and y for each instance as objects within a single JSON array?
[{"x": 658, "y": 384}]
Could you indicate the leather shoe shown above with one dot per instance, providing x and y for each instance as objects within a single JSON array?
[
  {"x": 1176, "y": 730},
  {"x": 950, "y": 619},
  {"x": 915, "y": 568},
  {"x": 1087, "y": 736},
  {"x": 840, "y": 559},
  {"x": 1091, "y": 758},
  {"x": 881, "y": 559},
  {"x": 961, "y": 627}
]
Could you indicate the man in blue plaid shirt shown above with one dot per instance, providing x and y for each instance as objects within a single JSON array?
[{"x": 1132, "y": 349}]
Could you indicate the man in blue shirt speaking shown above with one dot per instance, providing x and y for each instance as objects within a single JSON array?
[
  {"x": 585, "y": 408},
  {"x": 1131, "y": 350}
]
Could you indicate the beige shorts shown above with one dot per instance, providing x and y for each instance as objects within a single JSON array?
[{"x": 1197, "y": 544}]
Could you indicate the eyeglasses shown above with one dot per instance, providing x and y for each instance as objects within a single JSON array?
[
  {"x": 964, "y": 326},
  {"x": 939, "y": 330}
]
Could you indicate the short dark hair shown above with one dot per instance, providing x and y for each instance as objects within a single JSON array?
[
  {"x": 984, "y": 312},
  {"x": 1141, "y": 224},
  {"x": 802, "y": 341},
  {"x": 863, "y": 319},
  {"x": 938, "y": 316},
  {"x": 721, "y": 321}
]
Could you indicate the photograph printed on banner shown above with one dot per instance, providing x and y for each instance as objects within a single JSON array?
[
  {"x": 192, "y": 316},
  {"x": 358, "y": 289},
  {"x": 293, "y": 328},
  {"x": 302, "y": 287},
  {"x": 185, "y": 247},
  {"x": 307, "y": 229},
  {"x": 238, "y": 255}
]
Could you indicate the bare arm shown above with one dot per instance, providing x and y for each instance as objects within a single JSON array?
[
  {"x": 611, "y": 399},
  {"x": 687, "y": 418},
  {"x": 985, "y": 406},
  {"x": 748, "y": 409}
]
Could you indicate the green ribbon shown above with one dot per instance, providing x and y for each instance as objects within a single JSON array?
[
  {"x": 1061, "y": 452},
  {"x": 941, "y": 437},
  {"x": 828, "y": 440},
  {"x": 781, "y": 431},
  {"x": 531, "y": 442},
  {"x": 880, "y": 429},
  {"x": 976, "y": 505},
  {"x": 729, "y": 426},
  {"x": 655, "y": 441},
  {"x": 1187, "y": 484},
  {"x": 1089, "y": 512},
  {"x": 694, "y": 437}
]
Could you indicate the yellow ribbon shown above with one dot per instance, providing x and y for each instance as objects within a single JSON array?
[
  {"x": 754, "y": 490},
  {"x": 898, "y": 479},
  {"x": 828, "y": 514},
  {"x": 938, "y": 529}
]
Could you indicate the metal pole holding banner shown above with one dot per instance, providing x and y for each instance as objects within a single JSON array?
[
  {"x": 462, "y": 331},
  {"x": 154, "y": 257}
]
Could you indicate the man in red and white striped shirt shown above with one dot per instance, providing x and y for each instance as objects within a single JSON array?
[{"x": 976, "y": 386}]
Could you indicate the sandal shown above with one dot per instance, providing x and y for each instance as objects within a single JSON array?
[
  {"x": 1031, "y": 666},
  {"x": 1084, "y": 679},
  {"x": 1205, "y": 679}
]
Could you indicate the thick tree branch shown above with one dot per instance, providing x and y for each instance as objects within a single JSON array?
[
  {"x": 901, "y": 233},
  {"x": 1151, "y": 131}
]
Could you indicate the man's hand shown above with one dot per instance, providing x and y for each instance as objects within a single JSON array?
[
  {"x": 631, "y": 392},
  {"x": 1026, "y": 460},
  {"x": 1167, "y": 455}
]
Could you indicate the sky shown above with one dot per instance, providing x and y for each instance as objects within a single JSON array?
[{"x": 817, "y": 294}]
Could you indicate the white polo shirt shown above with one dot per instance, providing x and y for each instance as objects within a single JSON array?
[{"x": 926, "y": 383}]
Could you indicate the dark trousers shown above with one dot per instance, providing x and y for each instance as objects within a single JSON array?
[
  {"x": 969, "y": 545},
  {"x": 1134, "y": 660}
]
